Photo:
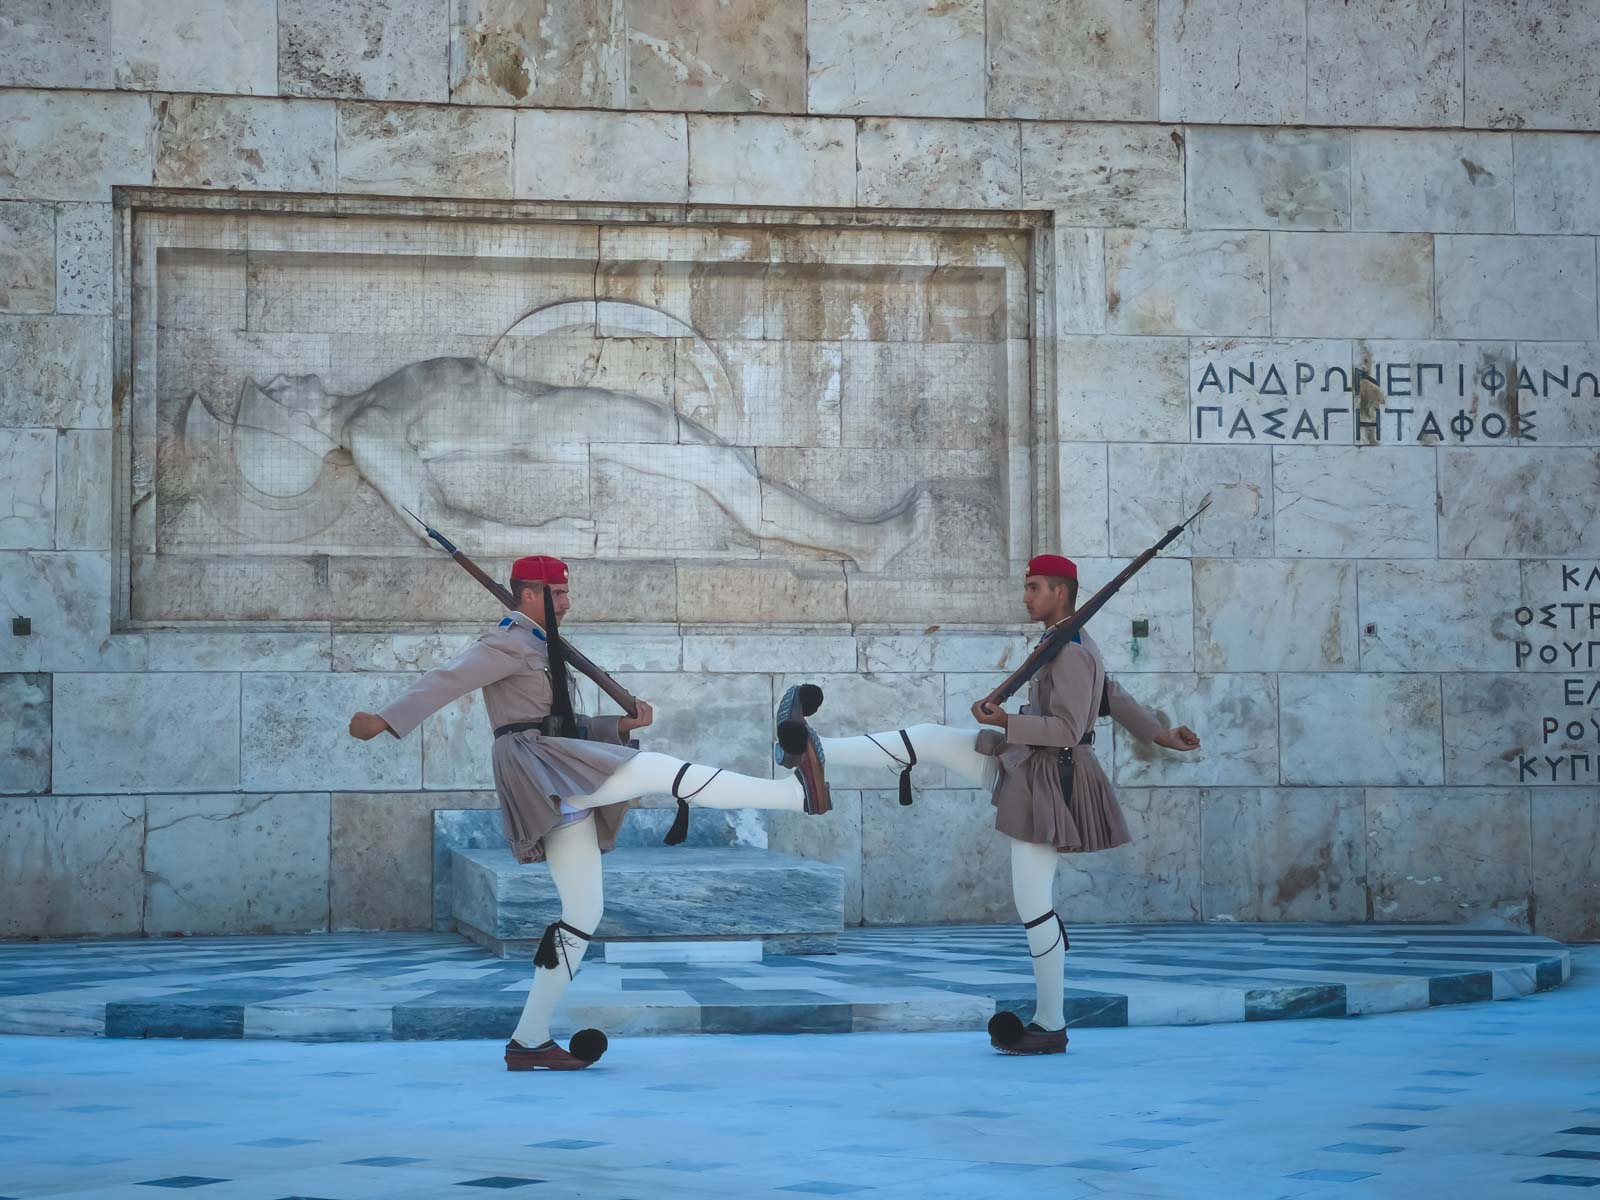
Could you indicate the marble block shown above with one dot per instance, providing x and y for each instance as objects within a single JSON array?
[
  {"x": 73, "y": 145},
  {"x": 1342, "y": 729},
  {"x": 412, "y": 150},
  {"x": 663, "y": 892},
  {"x": 366, "y": 50},
  {"x": 1236, "y": 717},
  {"x": 936, "y": 68},
  {"x": 1473, "y": 300},
  {"x": 1385, "y": 62},
  {"x": 195, "y": 45},
  {"x": 1268, "y": 179},
  {"x": 937, "y": 164},
  {"x": 456, "y": 745},
  {"x": 1104, "y": 175},
  {"x": 1557, "y": 493},
  {"x": 1156, "y": 877},
  {"x": 1399, "y": 385},
  {"x": 170, "y": 650},
  {"x": 1079, "y": 276},
  {"x": 590, "y": 156},
  {"x": 1283, "y": 854},
  {"x": 709, "y": 56},
  {"x": 83, "y": 258},
  {"x": 736, "y": 653},
  {"x": 1566, "y": 855},
  {"x": 834, "y": 839},
  {"x": 1085, "y": 488},
  {"x": 1125, "y": 389},
  {"x": 722, "y": 720},
  {"x": 1434, "y": 182},
  {"x": 55, "y": 372},
  {"x": 1394, "y": 299},
  {"x": 1439, "y": 616},
  {"x": 381, "y": 855},
  {"x": 760, "y": 592},
  {"x": 71, "y": 865},
  {"x": 27, "y": 489},
  {"x": 236, "y": 864},
  {"x": 56, "y": 44},
  {"x": 1561, "y": 36},
  {"x": 540, "y": 53},
  {"x": 1207, "y": 76},
  {"x": 1558, "y": 175},
  {"x": 1531, "y": 729},
  {"x": 296, "y": 733},
  {"x": 1161, "y": 595},
  {"x": 939, "y": 860},
  {"x": 1186, "y": 283},
  {"x": 1275, "y": 615},
  {"x": 25, "y": 735},
  {"x": 1355, "y": 501},
  {"x": 1450, "y": 854},
  {"x": 257, "y": 145},
  {"x": 941, "y": 651},
  {"x": 1081, "y": 60},
  {"x": 772, "y": 160},
  {"x": 1156, "y": 487},
  {"x": 66, "y": 596},
  {"x": 145, "y": 733},
  {"x": 460, "y": 829},
  {"x": 27, "y": 257}
]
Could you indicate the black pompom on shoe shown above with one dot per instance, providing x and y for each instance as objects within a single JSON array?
[
  {"x": 1005, "y": 1029},
  {"x": 810, "y": 698},
  {"x": 589, "y": 1045},
  {"x": 793, "y": 737}
]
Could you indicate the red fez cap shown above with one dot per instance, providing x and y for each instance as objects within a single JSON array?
[
  {"x": 538, "y": 568},
  {"x": 1053, "y": 564}
]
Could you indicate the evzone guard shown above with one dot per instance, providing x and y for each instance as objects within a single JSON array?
[
  {"x": 566, "y": 780},
  {"x": 1050, "y": 795}
]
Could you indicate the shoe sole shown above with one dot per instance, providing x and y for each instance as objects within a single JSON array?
[
  {"x": 787, "y": 707},
  {"x": 510, "y": 1066},
  {"x": 1025, "y": 1053}
]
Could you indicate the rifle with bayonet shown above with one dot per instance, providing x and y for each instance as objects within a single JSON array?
[
  {"x": 624, "y": 698},
  {"x": 1053, "y": 642}
]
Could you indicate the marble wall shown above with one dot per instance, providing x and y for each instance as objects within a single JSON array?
[{"x": 1332, "y": 264}]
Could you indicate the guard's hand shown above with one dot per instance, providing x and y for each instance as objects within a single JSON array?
[
  {"x": 365, "y": 726},
  {"x": 1181, "y": 738},
  {"x": 989, "y": 714},
  {"x": 646, "y": 715}
]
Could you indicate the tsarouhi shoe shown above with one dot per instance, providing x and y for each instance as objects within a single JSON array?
[
  {"x": 587, "y": 1047},
  {"x": 798, "y": 703},
  {"x": 1009, "y": 1035}
]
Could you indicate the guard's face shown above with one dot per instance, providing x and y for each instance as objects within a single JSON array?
[
  {"x": 559, "y": 597},
  {"x": 1039, "y": 598}
]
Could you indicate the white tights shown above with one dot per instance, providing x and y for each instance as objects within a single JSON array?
[{"x": 956, "y": 750}]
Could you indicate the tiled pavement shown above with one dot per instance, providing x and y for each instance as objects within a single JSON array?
[
  {"x": 1475, "y": 1101},
  {"x": 369, "y": 987}
]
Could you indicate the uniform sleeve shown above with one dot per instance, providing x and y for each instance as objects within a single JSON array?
[
  {"x": 604, "y": 729},
  {"x": 1131, "y": 715},
  {"x": 1072, "y": 704},
  {"x": 476, "y": 666}
]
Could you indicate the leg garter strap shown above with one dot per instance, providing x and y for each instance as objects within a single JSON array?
[
  {"x": 905, "y": 764},
  {"x": 551, "y": 953},
  {"x": 1061, "y": 938},
  {"x": 680, "y": 823}
]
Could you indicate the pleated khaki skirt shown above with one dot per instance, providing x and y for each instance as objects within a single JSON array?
[
  {"x": 1029, "y": 805},
  {"x": 533, "y": 774}
]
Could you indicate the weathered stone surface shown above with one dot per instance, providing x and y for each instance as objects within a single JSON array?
[
  {"x": 67, "y": 597},
  {"x": 145, "y": 733},
  {"x": 1398, "y": 376},
  {"x": 938, "y": 164},
  {"x": 541, "y": 53},
  {"x": 939, "y": 860},
  {"x": 758, "y": 593},
  {"x": 55, "y": 372},
  {"x": 1495, "y": 729},
  {"x": 640, "y": 648},
  {"x": 258, "y": 145},
  {"x": 1379, "y": 62},
  {"x": 27, "y": 489},
  {"x": 1239, "y": 386},
  {"x": 1394, "y": 297},
  {"x": 1273, "y": 615},
  {"x": 935, "y": 67},
  {"x": 367, "y": 50},
  {"x": 1236, "y": 717},
  {"x": 734, "y": 653},
  {"x": 1161, "y": 595},
  {"x": 1283, "y": 854},
  {"x": 296, "y": 733},
  {"x": 25, "y": 735},
  {"x": 1355, "y": 501},
  {"x": 73, "y": 145},
  {"x": 1449, "y": 854},
  {"x": 1478, "y": 299},
  {"x": 772, "y": 160},
  {"x": 1393, "y": 719},
  {"x": 1438, "y": 616},
  {"x": 1105, "y": 175},
  {"x": 944, "y": 652},
  {"x": 236, "y": 864},
  {"x": 1131, "y": 389},
  {"x": 1502, "y": 92},
  {"x": 955, "y": 599},
  {"x": 1566, "y": 863},
  {"x": 397, "y": 651},
  {"x": 1558, "y": 175},
  {"x": 706, "y": 56},
  {"x": 1554, "y": 638},
  {"x": 1558, "y": 496},
  {"x": 784, "y": 394},
  {"x": 1080, "y": 280},
  {"x": 1085, "y": 498},
  {"x": 27, "y": 257},
  {"x": 218, "y": 650},
  {"x": 418, "y": 150},
  {"x": 84, "y": 501},
  {"x": 1442, "y": 182},
  {"x": 1259, "y": 45},
  {"x": 589, "y": 156},
  {"x": 1154, "y": 488},
  {"x": 56, "y": 44},
  {"x": 83, "y": 258},
  {"x": 196, "y": 45},
  {"x": 835, "y": 840},
  {"x": 1156, "y": 877},
  {"x": 931, "y": 395},
  {"x": 456, "y": 745},
  {"x": 380, "y": 856},
  {"x": 71, "y": 865},
  {"x": 1173, "y": 281},
  {"x": 1084, "y": 60},
  {"x": 1268, "y": 178}
]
